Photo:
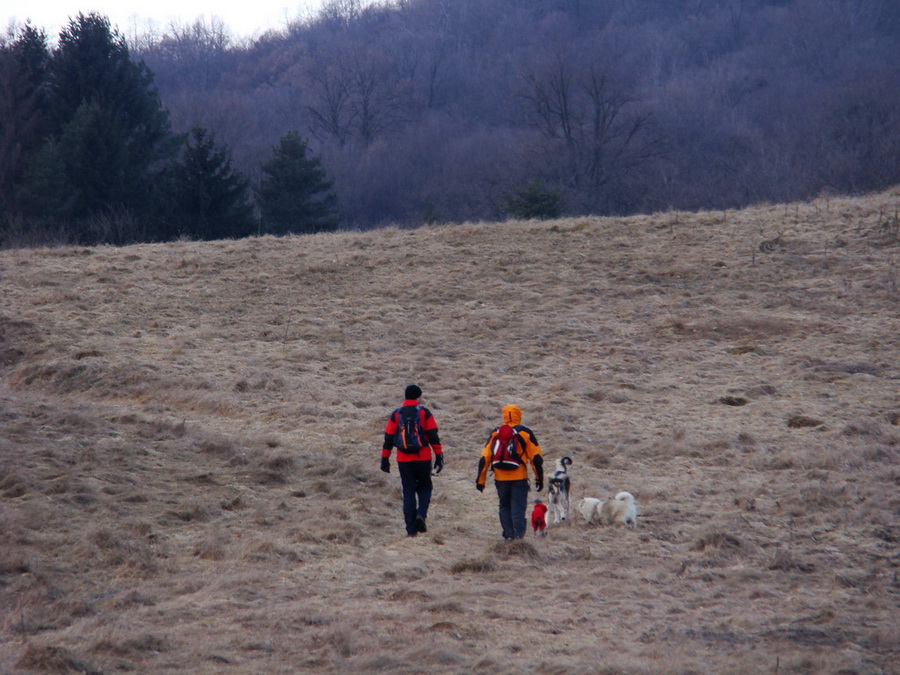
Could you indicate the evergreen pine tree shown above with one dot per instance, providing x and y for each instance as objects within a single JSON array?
[
  {"x": 45, "y": 195},
  {"x": 208, "y": 199},
  {"x": 23, "y": 68},
  {"x": 106, "y": 121},
  {"x": 295, "y": 194},
  {"x": 534, "y": 201}
]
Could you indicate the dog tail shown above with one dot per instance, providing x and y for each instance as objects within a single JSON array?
[{"x": 565, "y": 461}]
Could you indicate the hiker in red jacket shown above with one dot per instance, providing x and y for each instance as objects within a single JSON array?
[{"x": 414, "y": 431}]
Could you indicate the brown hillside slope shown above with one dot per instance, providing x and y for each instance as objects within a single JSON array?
[{"x": 189, "y": 441}]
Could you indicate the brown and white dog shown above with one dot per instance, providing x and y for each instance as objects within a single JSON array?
[{"x": 558, "y": 489}]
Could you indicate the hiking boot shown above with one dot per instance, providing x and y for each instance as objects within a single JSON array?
[{"x": 420, "y": 525}]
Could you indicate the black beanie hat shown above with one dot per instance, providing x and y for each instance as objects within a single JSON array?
[{"x": 412, "y": 392}]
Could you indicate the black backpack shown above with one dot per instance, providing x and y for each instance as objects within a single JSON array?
[{"x": 410, "y": 436}]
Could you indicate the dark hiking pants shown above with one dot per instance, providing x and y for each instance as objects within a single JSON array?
[
  {"x": 415, "y": 477},
  {"x": 512, "y": 496}
]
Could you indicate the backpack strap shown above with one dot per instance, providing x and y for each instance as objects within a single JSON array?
[
  {"x": 522, "y": 444},
  {"x": 420, "y": 410}
]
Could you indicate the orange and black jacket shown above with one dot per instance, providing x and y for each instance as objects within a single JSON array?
[
  {"x": 512, "y": 416},
  {"x": 431, "y": 434}
]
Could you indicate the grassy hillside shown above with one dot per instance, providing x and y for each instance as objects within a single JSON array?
[{"x": 190, "y": 432}]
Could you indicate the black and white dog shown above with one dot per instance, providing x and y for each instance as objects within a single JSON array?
[{"x": 558, "y": 489}]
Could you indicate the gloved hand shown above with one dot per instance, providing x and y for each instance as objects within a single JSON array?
[
  {"x": 385, "y": 465},
  {"x": 538, "y": 484},
  {"x": 438, "y": 464},
  {"x": 479, "y": 487}
]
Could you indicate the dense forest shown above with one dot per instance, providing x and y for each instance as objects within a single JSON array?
[{"x": 371, "y": 113}]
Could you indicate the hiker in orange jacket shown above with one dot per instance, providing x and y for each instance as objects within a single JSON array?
[
  {"x": 512, "y": 484},
  {"x": 414, "y": 467}
]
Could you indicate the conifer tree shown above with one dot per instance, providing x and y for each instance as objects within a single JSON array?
[
  {"x": 106, "y": 126},
  {"x": 23, "y": 66},
  {"x": 295, "y": 194},
  {"x": 208, "y": 199},
  {"x": 534, "y": 202}
]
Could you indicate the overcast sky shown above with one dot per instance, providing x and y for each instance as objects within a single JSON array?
[{"x": 245, "y": 18}]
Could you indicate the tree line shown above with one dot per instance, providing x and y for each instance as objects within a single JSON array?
[
  {"x": 89, "y": 155},
  {"x": 454, "y": 110}
]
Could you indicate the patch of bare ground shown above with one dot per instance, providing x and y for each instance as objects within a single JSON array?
[{"x": 189, "y": 440}]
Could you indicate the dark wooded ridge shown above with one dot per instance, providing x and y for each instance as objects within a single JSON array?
[{"x": 448, "y": 111}]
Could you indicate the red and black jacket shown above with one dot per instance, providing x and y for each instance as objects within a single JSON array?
[{"x": 429, "y": 425}]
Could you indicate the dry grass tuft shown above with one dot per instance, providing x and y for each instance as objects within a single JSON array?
[
  {"x": 718, "y": 541},
  {"x": 803, "y": 422},
  {"x": 275, "y": 469},
  {"x": 474, "y": 565},
  {"x": 53, "y": 660},
  {"x": 13, "y": 482},
  {"x": 133, "y": 647},
  {"x": 514, "y": 549},
  {"x": 785, "y": 562}
]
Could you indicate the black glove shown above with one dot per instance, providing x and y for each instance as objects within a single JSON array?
[
  {"x": 438, "y": 464},
  {"x": 479, "y": 487},
  {"x": 538, "y": 484},
  {"x": 385, "y": 465}
]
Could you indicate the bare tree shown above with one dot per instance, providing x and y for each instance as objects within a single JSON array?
[
  {"x": 330, "y": 111},
  {"x": 356, "y": 94},
  {"x": 602, "y": 132},
  {"x": 194, "y": 56}
]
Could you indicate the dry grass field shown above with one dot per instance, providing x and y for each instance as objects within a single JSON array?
[{"x": 190, "y": 433}]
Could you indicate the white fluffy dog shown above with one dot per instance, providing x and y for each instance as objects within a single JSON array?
[
  {"x": 589, "y": 508},
  {"x": 620, "y": 510}
]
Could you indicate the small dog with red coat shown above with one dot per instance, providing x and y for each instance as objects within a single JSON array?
[{"x": 539, "y": 518}]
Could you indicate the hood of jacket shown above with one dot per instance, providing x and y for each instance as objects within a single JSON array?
[{"x": 512, "y": 415}]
